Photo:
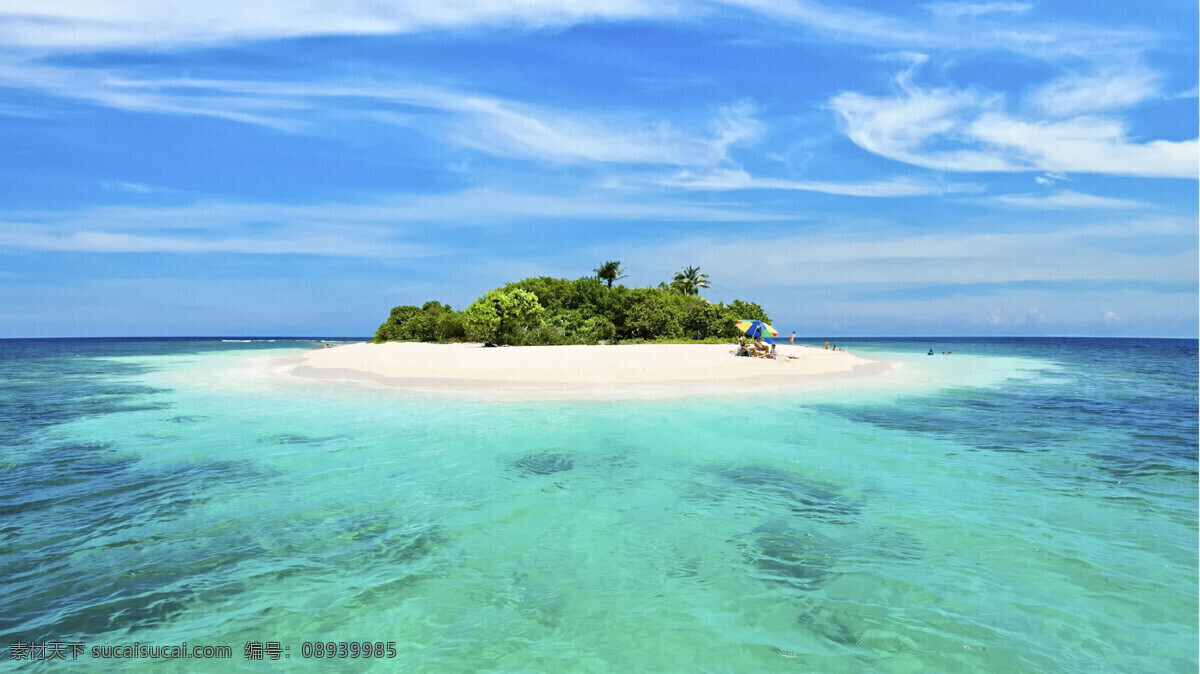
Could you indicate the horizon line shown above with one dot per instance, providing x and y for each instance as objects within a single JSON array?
[{"x": 798, "y": 337}]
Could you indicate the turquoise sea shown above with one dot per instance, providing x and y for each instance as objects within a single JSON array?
[{"x": 1019, "y": 505}]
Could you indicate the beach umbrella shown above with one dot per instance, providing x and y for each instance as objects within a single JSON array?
[{"x": 757, "y": 329}]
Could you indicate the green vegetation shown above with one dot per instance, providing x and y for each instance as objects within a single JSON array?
[
  {"x": 590, "y": 310},
  {"x": 689, "y": 281},
  {"x": 610, "y": 272}
]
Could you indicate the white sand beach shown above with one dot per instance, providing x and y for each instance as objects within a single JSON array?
[{"x": 579, "y": 372}]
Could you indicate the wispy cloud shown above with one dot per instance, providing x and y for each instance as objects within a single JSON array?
[
  {"x": 896, "y": 260},
  {"x": 739, "y": 179},
  {"x": 122, "y": 92},
  {"x": 386, "y": 227},
  {"x": 121, "y": 186},
  {"x": 846, "y": 23},
  {"x": 1050, "y": 178},
  {"x": 113, "y": 242},
  {"x": 1108, "y": 89},
  {"x": 81, "y": 24},
  {"x": 917, "y": 125},
  {"x": 486, "y": 124},
  {"x": 956, "y": 26},
  {"x": 1067, "y": 200},
  {"x": 972, "y": 9},
  {"x": 526, "y": 132}
]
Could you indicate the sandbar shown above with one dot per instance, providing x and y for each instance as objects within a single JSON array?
[{"x": 579, "y": 372}]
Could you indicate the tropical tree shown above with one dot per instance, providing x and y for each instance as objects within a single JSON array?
[
  {"x": 610, "y": 272},
  {"x": 502, "y": 316},
  {"x": 689, "y": 281}
]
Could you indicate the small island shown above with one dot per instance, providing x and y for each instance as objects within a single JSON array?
[{"x": 582, "y": 339}]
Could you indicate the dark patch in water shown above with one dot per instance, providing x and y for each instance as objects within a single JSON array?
[
  {"x": 187, "y": 418},
  {"x": 125, "y": 612},
  {"x": 533, "y": 599},
  {"x": 817, "y": 500},
  {"x": 85, "y": 562},
  {"x": 294, "y": 439},
  {"x": 404, "y": 549},
  {"x": 141, "y": 586},
  {"x": 381, "y": 539},
  {"x": 802, "y": 559},
  {"x": 543, "y": 463},
  {"x": 408, "y": 544},
  {"x": 1134, "y": 418},
  {"x": 826, "y": 623}
]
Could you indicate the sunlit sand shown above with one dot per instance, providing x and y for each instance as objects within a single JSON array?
[{"x": 623, "y": 371}]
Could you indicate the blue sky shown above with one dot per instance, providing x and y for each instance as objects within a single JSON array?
[{"x": 259, "y": 167}]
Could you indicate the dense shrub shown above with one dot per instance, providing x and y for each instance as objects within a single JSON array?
[
  {"x": 393, "y": 328},
  {"x": 655, "y": 315},
  {"x": 503, "y": 316},
  {"x": 547, "y": 310},
  {"x": 432, "y": 322},
  {"x": 747, "y": 311}
]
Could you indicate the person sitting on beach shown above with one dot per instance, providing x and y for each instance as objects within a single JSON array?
[
  {"x": 772, "y": 355},
  {"x": 760, "y": 349},
  {"x": 741, "y": 347}
]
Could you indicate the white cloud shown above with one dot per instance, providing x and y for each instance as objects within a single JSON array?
[
  {"x": 123, "y": 186},
  {"x": 1050, "y": 178},
  {"x": 916, "y": 126},
  {"x": 900, "y": 127},
  {"x": 179, "y": 97},
  {"x": 738, "y": 179},
  {"x": 389, "y": 227},
  {"x": 1111, "y": 88},
  {"x": 524, "y": 132},
  {"x": 1190, "y": 93},
  {"x": 487, "y": 206},
  {"x": 969, "y": 26},
  {"x": 847, "y": 24},
  {"x": 966, "y": 9},
  {"x": 83, "y": 24},
  {"x": 486, "y": 124},
  {"x": 833, "y": 257},
  {"x": 1111, "y": 318},
  {"x": 119, "y": 242},
  {"x": 906, "y": 127},
  {"x": 733, "y": 126},
  {"x": 1084, "y": 145},
  {"x": 1066, "y": 200}
]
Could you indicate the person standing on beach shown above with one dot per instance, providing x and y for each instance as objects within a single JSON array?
[{"x": 793, "y": 338}]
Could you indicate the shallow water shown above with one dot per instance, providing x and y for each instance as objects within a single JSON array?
[{"x": 1020, "y": 505}]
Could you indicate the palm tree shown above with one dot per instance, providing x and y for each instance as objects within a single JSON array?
[
  {"x": 690, "y": 281},
  {"x": 610, "y": 272}
]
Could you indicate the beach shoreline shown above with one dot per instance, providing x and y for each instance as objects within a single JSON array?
[{"x": 579, "y": 372}]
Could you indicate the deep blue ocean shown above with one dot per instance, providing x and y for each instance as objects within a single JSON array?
[{"x": 1019, "y": 505}]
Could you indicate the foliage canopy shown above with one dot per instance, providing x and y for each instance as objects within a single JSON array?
[{"x": 545, "y": 310}]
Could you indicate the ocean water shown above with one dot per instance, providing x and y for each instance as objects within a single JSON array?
[{"x": 1017, "y": 506}]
